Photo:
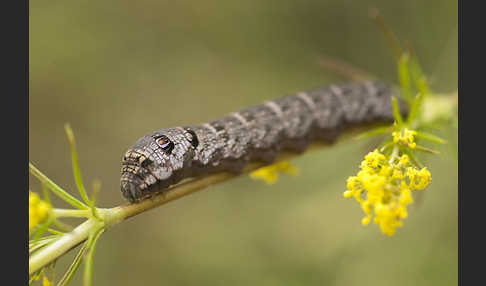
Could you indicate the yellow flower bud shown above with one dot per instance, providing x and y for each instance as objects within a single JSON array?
[
  {"x": 38, "y": 210},
  {"x": 404, "y": 159},
  {"x": 366, "y": 220},
  {"x": 348, "y": 194},
  {"x": 406, "y": 197},
  {"x": 33, "y": 198},
  {"x": 269, "y": 174}
]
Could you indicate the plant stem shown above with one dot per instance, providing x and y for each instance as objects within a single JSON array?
[
  {"x": 75, "y": 163},
  {"x": 69, "y": 240},
  {"x": 56, "y": 189},
  {"x": 112, "y": 216},
  {"x": 71, "y": 213}
]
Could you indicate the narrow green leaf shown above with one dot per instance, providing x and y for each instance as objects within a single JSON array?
[
  {"x": 404, "y": 76},
  {"x": 427, "y": 150},
  {"x": 430, "y": 137},
  {"x": 94, "y": 196},
  {"x": 418, "y": 77},
  {"x": 74, "y": 266},
  {"x": 45, "y": 191},
  {"x": 53, "y": 269},
  {"x": 38, "y": 242},
  {"x": 373, "y": 132},
  {"x": 42, "y": 228},
  {"x": 36, "y": 246},
  {"x": 56, "y": 189},
  {"x": 41, "y": 242},
  {"x": 56, "y": 232},
  {"x": 88, "y": 265},
  {"x": 415, "y": 108},
  {"x": 422, "y": 85},
  {"x": 396, "y": 112},
  {"x": 62, "y": 225},
  {"x": 40, "y": 239},
  {"x": 75, "y": 163}
]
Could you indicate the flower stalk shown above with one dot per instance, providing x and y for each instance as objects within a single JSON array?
[{"x": 108, "y": 217}]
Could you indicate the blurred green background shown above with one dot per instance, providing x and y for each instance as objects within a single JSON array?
[{"x": 119, "y": 69}]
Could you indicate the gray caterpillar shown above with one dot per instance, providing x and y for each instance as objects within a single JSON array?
[{"x": 165, "y": 157}]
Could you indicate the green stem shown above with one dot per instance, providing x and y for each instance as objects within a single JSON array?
[
  {"x": 396, "y": 112},
  {"x": 53, "y": 251},
  {"x": 75, "y": 163},
  {"x": 88, "y": 268},
  {"x": 115, "y": 215},
  {"x": 64, "y": 227},
  {"x": 74, "y": 266},
  {"x": 71, "y": 213},
  {"x": 56, "y": 189}
]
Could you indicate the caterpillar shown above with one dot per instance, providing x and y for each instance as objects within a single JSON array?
[{"x": 259, "y": 133}]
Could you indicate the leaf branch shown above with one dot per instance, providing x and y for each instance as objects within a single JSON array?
[{"x": 113, "y": 216}]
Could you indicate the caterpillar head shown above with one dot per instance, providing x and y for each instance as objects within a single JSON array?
[{"x": 156, "y": 161}]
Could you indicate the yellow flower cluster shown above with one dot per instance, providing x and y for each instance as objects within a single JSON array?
[
  {"x": 38, "y": 210},
  {"x": 269, "y": 174},
  {"x": 405, "y": 137},
  {"x": 384, "y": 187}
]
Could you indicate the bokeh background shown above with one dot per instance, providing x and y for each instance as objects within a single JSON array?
[{"x": 119, "y": 69}]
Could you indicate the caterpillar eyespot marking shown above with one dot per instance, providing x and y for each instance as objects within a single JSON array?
[
  {"x": 192, "y": 137},
  {"x": 165, "y": 143},
  {"x": 256, "y": 133}
]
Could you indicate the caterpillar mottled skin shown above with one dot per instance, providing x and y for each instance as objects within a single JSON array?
[{"x": 165, "y": 157}]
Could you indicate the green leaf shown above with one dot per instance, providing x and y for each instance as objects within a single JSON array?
[
  {"x": 94, "y": 196},
  {"x": 53, "y": 269},
  {"x": 374, "y": 132},
  {"x": 396, "y": 112},
  {"x": 33, "y": 242},
  {"x": 427, "y": 150},
  {"x": 43, "y": 227},
  {"x": 62, "y": 225},
  {"x": 40, "y": 245},
  {"x": 418, "y": 77},
  {"x": 404, "y": 77},
  {"x": 88, "y": 265},
  {"x": 45, "y": 191},
  {"x": 74, "y": 266},
  {"x": 420, "y": 83},
  {"x": 415, "y": 108},
  {"x": 56, "y": 232},
  {"x": 76, "y": 169},
  {"x": 41, "y": 242},
  {"x": 56, "y": 189},
  {"x": 430, "y": 137}
]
